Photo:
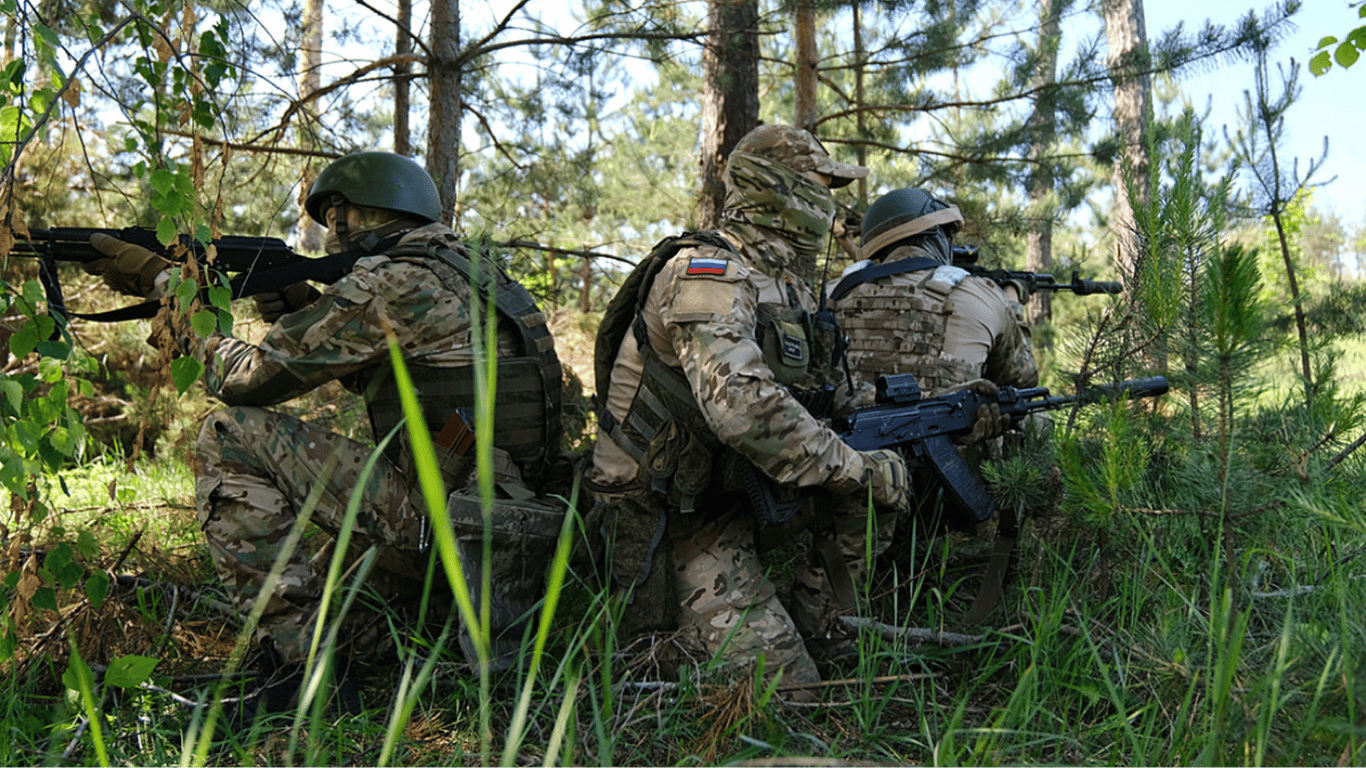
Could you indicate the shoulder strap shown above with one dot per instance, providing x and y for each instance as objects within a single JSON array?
[{"x": 885, "y": 269}]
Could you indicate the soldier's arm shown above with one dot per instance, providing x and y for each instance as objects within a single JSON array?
[
  {"x": 344, "y": 331},
  {"x": 710, "y": 322}
]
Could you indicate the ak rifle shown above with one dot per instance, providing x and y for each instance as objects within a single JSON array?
[
  {"x": 965, "y": 256},
  {"x": 260, "y": 264},
  {"x": 921, "y": 429}
]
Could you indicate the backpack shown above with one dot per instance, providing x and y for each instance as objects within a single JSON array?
[{"x": 623, "y": 312}]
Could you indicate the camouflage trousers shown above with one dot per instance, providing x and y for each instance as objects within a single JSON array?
[
  {"x": 816, "y": 603},
  {"x": 730, "y": 608},
  {"x": 255, "y": 469}
]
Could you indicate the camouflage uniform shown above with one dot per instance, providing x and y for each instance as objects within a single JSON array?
[
  {"x": 937, "y": 322},
  {"x": 941, "y": 324},
  {"x": 256, "y": 468},
  {"x": 703, "y": 320}
]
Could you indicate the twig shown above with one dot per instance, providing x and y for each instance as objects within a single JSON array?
[
  {"x": 914, "y": 634},
  {"x": 1346, "y": 452}
]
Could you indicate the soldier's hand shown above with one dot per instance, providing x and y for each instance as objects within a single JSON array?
[
  {"x": 990, "y": 423},
  {"x": 886, "y": 472},
  {"x": 272, "y": 304},
  {"x": 128, "y": 268}
]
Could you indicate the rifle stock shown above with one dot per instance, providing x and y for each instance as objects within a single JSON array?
[{"x": 921, "y": 428}]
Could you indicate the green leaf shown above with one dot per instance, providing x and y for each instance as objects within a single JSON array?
[
  {"x": 1347, "y": 55},
  {"x": 24, "y": 340},
  {"x": 221, "y": 296},
  {"x": 1325, "y": 42},
  {"x": 47, "y": 35},
  {"x": 204, "y": 322},
  {"x": 162, "y": 180},
  {"x": 97, "y": 588},
  {"x": 13, "y": 393},
  {"x": 166, "y": 228},
  {"x": 1320, "y": 63},
  {"x": 185, "y": 372},
  {"x": 70, "y": 575},
  {"x": 87, "y": 545},
  {"x": 78, "y": 676},
  {"x": 130, "y": 671},
  {"x": 45, "y": 598},
  {"x": 185, "y": 293}
]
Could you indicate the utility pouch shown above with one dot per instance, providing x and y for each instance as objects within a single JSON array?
[{"x": 522, "y": 538}]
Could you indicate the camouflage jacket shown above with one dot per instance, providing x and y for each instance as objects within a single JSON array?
[{"x": 701, "y": 318}]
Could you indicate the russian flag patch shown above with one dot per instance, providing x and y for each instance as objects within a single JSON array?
[{"x": 705, "y": 266}]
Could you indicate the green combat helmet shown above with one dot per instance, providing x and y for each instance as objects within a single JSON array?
[
  {"x": 376, "y": 180},
  {"x": 910, "y": 216}
]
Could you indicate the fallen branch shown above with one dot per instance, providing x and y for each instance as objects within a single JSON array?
[{"x": 914, "y": 634}]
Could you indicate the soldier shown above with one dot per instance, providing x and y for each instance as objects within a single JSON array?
[
  {"x": 255, "y": 467},
  {"x": 705, "y": 426},
  {"x": 907, "y": 309}
]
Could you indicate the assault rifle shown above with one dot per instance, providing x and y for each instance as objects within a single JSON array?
[
  {"x": 921, "y": 428},
  {"x": 261, "y": 263},
  {"x": 965, "y": 256}
]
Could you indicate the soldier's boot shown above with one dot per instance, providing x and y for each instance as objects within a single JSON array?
[{"x": 274, "y": 690}]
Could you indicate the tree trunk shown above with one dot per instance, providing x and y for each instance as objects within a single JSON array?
[
  {"x": 403, "y": 45},
  {"x": 730, "y": 100},
  {"x": 1043, "y": 137},
  {"x": 1128, "y": 61},
  {"x": 804, "y": 112},
  {"x": 308, "y": 235},
  {"x": 443, "y": 129}
]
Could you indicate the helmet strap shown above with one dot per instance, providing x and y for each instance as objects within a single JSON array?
[{"x": 340, "y": 224}]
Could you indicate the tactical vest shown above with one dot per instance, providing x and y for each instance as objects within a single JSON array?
[
  {"x": 664, "y": 430},
  {"x": 526, "y": 411},
  {"x": 901, "y": 328}
]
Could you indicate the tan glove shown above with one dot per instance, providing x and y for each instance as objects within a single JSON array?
[
  {"x": 272, "y": 304},
  {"x": 990, "y": 423},
  {"x": 128, "y": 268},
  {"x": 886, "y": 471}
]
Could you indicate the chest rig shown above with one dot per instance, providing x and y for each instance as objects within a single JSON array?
[
  {"x": 901, "y": 328},
  {"x": 526, "y": 410},
  {"x": 664, "y": 431}
]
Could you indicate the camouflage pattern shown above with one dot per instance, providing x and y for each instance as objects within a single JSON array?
[
  {"x": 255, "y": 468},
  {"x": 730, "y": 608},
  {"x": 703, "y": 322},
  {"x": 799, "y": 151},
  {"x": 946, "y": 329}
]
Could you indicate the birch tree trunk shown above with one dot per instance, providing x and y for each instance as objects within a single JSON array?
[{"x": 730, "y": 100}]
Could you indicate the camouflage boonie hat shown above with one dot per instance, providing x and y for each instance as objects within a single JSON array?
[{"x": 798, "y": 150}]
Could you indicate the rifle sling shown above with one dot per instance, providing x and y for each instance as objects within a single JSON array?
[{"x": 993, "y": 582}]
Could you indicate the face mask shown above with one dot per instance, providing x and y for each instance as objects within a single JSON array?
[{"x": 768, "y": 194}]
